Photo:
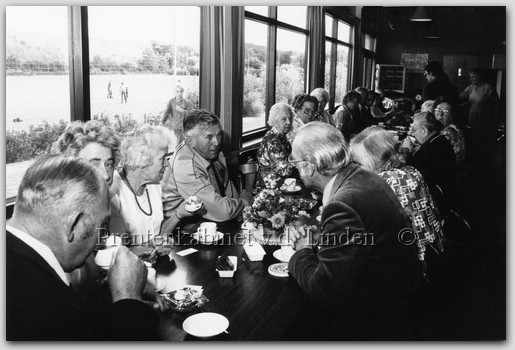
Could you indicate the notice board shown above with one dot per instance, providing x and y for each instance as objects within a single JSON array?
[
  {"x": 414, "y": 62},
  {"x": 390, "y": 77}
]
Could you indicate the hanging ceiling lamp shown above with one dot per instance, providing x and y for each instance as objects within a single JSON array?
[
  {"x": 420, "y": 15},
  {"x": 433, "y": 33}
]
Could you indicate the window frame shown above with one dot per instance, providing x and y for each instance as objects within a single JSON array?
[
  {"x": 271, "y": 63},
  {"x": 334, "y": 42}
]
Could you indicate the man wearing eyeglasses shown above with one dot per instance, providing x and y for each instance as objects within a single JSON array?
[{"x": 358, "y": 273}]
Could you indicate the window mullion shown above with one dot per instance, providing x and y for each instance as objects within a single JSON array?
[{"x": 79, "y": 63}]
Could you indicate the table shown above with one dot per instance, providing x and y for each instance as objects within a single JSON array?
[{"x": 258, "y": 305}]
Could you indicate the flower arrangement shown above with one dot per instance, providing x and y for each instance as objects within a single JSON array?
[{"x": 273, "y": 211}]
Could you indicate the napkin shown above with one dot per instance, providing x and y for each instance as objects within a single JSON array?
[
  {"x": 254, "y": 251},
  {"x": 187, "y": 252}
]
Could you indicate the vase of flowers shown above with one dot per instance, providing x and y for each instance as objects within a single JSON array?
[{"x": 272, "y": 214}]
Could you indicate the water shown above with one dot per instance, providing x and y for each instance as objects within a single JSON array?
[{"x": 34, "y": 99}]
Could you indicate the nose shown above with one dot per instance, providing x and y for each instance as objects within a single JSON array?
[
  {"x": 105, "y": 174},
  {"x": 166, "y": 162},
  {"x": 215, "y": 141}
]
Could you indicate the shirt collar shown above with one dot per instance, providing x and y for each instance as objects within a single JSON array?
[
  {"x": 42, "y": 249},
  {"x": 327, "y": 190}
]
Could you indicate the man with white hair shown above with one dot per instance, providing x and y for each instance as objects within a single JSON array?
[
  {"x": 322, "y": 114},
  {"x": 62, "y": 203},
  {"x": 359, "y": 272},
  {"x": 198, "y": 169}
]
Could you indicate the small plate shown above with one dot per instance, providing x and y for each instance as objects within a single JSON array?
[
  {"x": 193, "y": 207},
  {"x": 205, "y": 324},
  {"x": 279, "y": 269},
  {"x": 297, "y": 189},
  {"x": 278, "y": 254},
  {"x": 218, "y": 237}
]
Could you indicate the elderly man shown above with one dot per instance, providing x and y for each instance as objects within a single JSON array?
[
  {"x": 198, "y": 169},
  {"x": 434, "y": 158},
  {"x": 61, "y": 204},
  {"x": 322, "y": 115},
  {"x": 361, "y": 271}
]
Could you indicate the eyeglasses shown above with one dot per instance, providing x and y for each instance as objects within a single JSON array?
[
  {"x": 291, "y": 160},
  {"x": 307, "y": 111},
  {"x": 442, "y": 111}
]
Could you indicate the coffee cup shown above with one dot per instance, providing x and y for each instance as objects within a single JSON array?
[
  {"x": 207, "y": 231},
  {"x": 104, "y": 256},
  {"x": 290, "y": 183}
]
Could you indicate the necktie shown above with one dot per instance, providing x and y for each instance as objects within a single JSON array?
[{"x": 215, "y": 173}]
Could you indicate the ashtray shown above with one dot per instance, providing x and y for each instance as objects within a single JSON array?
[{"x": 185, "y": 299}]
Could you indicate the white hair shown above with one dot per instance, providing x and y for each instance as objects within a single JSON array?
[
  {"x": 276, "y": 110},
  {"x": 322, "y": 144},
  {"x": 139, "y": 148}
]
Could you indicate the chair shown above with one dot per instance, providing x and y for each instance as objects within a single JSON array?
[
  {"x": 248, "y": 168},
  {"x": 249, "y": 174}
]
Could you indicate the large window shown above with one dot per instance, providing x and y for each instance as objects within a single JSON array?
[
  {"x": 275, "y": 61},
  {"x": 369, "y": 48},
  {"x": 37, "y": 84},
  {"x": 338, "y": 62},
  {"x": 137, "y": 56},
  {"x": 150, "y": 49}
]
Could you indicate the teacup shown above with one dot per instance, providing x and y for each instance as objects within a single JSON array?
[
  {"x": 104, "y": 256},
  {"x": 207, "y": 231},
  {"x": 290, "y": 183}
]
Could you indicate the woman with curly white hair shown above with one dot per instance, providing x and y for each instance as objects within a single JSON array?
[{"x": 137, "y": 209}]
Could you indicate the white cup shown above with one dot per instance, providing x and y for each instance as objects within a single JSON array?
[
  {"x": 104, "y": 257},
  {"x": 207, "y": 231},
  {"x": 290, "y": 183}
]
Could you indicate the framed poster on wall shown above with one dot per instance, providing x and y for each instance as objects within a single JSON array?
[
  {"x": 414, "y": 62},
  {"x": 390, "y": 77}
]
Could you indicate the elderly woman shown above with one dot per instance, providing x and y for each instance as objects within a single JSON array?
[
  {"x": 136, "y": 209},
  {"x": 347, "y": 118},
  {"x": 92, "y": 141},
  {"x": 275, "y": 147},
  {"x": 375, "y": 149},
  {"x": 305, "y": 107},
  {"x": 97, "y": 144},
  {"x": 322, "y": 114},
  {"x": 443, "y": 111}
]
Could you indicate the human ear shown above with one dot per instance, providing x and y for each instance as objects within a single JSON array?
[{"x": 76, "y": 224}]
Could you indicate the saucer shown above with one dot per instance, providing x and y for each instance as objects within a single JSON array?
[
  {"x": 205, "y": 324},
  {"x": 216, "y": 238},
  {"x": 279, "y": 269},
  {"x": 193, "y": 207},
  {"x": 278, "y": 254},
  {"x": 297, "y": 189}
]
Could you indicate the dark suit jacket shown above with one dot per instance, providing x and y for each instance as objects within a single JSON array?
[
  {"x": 436, "y": 161},
  {"x": 364, "y": 286},
  {"x": 39, "y": 306}
]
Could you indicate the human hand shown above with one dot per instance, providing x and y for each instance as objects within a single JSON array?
[
  {"x": 152, "y": 298},
  {"x": 127, "y": 276},
  {"x": 301, "y": 237}
]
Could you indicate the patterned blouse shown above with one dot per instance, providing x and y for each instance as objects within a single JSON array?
[
  {"x": 273, "y": 155},
  {"x": 457, "y": 141},
  {"x": 409, "y": 186}
]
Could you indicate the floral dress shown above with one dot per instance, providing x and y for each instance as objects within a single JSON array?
[
  {"x": 457, "y": 141},
  {"x": 411, "y": 190},
  {"x": 273, "y": 156}
]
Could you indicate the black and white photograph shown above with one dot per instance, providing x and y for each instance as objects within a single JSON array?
[{"x": 279, "y": 172}]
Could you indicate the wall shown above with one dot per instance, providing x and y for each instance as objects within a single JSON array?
[{"x": 468, "y": 34}]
